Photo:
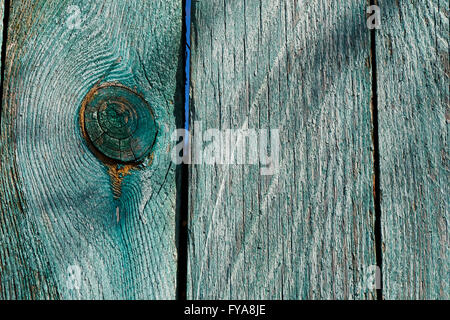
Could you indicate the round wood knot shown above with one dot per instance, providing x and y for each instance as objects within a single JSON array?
[{"x": 118, "y": 122}]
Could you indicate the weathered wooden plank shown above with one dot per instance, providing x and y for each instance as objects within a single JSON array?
[
  {"x": 413, "y": 94},
  {"x": 2, "y": 10},
  {"x": 302, "y": 67},
  {"x": 64, "y": 212}
]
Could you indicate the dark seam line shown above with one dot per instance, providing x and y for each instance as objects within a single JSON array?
[
  {"x": 184, "y": 179},
  {"x": 3, "y": 61},
  {"x": 376, "y": 158}
]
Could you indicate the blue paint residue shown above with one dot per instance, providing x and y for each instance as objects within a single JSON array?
[{"x": 188, "y": 63}]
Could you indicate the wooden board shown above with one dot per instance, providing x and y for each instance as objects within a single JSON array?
[
  {"x": 2, "y": 10},
  {"x": 413, "y": 93},
  {"x": 66, "y": 228},
  {"x": 302, "y": 67}
]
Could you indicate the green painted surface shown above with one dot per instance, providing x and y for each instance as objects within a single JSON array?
[
  {"x": 2, "y": 8},
  {"x": 413, "y": 93},
  {"x": 59, "y": 215},
  {"x": 307, "y": 232}
]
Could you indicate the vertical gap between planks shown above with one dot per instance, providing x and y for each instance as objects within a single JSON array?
[
  {"x": 184, "y": 177},
  {"x": 376, "y": 162},
  {"x": 3, "y": 59}
]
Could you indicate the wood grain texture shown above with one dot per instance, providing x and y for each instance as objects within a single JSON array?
[
  {"x": 413, "y": 93},
  {"x": 2, "y": 10},
  {"x": 57, "y": 204},
  {"x": 302, "y": 67}
]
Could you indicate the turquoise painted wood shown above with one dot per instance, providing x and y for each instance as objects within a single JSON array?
[
  {"x": 74, "y": 225},
  {"x": 118, "y": 123},
  {"x": 413, "y": 90},
  {"x": 2, "y": 8},
  {"x": 307, "y": 232},
  {"x": 89, "y": 218}
]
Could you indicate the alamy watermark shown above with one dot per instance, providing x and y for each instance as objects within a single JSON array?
[
  {"x": 371, "y": 279},
  {"x": 374, "y": 20},
  {"x": 73, "y": 281},
  {"x": 227, "y": 147},
  {"x": 73, "y": 21}
]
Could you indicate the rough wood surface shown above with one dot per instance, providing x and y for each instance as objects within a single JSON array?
[
  {"x": 413, "y": 93},
  {"x": 59, "y": 212},
  {"x": 302, "y": 67},
  {"x": 2, "y": 9}
]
